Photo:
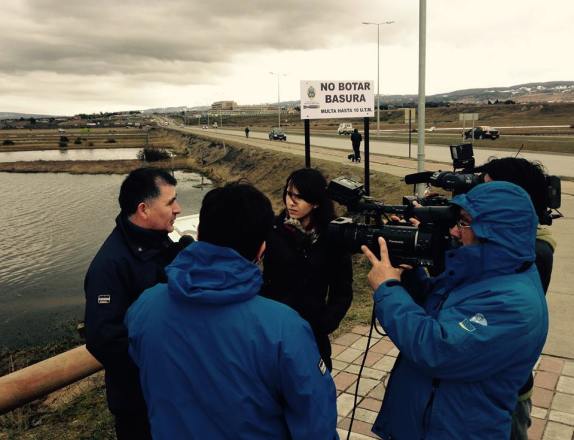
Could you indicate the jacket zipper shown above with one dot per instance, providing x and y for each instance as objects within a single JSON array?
[{"x": 428, "y": 409}]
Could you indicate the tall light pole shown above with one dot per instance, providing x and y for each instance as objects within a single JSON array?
[
  {"x": 378, "y": 65},
  {"x": 278, "y": 98},
  {"x": 422, "y": 90}
]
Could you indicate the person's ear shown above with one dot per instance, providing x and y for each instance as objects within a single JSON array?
[
  {"x": 141, "y": 211},
  {"x": 260, "y": 252}
]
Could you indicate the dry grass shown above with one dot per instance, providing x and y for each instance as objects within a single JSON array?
[{"x": 34, "y": 140}]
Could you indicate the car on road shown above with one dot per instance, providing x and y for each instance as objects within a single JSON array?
[
  {"x": 482, "y": 132},
  {"x": 276, "y": 134},
  {"x": 345, "y": 128}
]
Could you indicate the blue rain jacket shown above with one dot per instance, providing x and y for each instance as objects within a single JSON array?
[
  {"x": 468, "y": 350},
  {"x": 217, "y": 361}
]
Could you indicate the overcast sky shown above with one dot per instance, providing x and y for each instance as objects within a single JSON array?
[{"x": 67, "y": 57}]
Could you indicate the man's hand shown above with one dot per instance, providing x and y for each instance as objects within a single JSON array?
[
  {"x": 382, "y": 269},
  {"x": 412, "y": 220}
]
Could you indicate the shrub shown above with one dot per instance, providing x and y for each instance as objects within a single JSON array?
[
  {"x": 78, "y": 141},
  {"x": 153, "y": 154},
  {"x": 7, "y": 142}
]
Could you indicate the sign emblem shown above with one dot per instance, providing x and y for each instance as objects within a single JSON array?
[{"x": 311, "y": 92}]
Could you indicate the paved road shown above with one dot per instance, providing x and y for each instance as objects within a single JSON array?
[
  {"x": 561, "y": 294},
  {"x": 558, "y": 164}
]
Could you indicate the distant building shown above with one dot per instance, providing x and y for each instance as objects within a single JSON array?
[
  {"x": 224, "y": 105},
  {"x": 231, "y": 108}
]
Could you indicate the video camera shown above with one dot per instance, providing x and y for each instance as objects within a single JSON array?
[
  {"x": 465, "y": 176},
  {"x": 423, "y": 245},
  {"x": 426, "y": 244},
  {"x": 458, "y": 182}
]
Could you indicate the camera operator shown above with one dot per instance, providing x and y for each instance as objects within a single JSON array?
[
  {"x": 469, "y": 348},
  {"x": 529, "y": 176}
]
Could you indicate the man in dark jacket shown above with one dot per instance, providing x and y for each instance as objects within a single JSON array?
[
  {"x": 479, "y": 332},
  {"x": 218, "y": 361},
  {"x": 131, "y": 259},
  {"x": 356, "y": 139}
]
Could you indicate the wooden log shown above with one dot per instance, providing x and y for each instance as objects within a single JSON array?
[{"x": 38, "y": 380}]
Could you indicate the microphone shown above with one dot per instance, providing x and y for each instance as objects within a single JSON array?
[{"x": 423, "y": 177}]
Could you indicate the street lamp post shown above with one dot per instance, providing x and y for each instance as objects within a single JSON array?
[
  {"x": 378, "y": 65},
  {"x": 278, "y": 98}
]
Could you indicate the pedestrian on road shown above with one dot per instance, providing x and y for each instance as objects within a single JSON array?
[
  {"x": 356, "y": 139},
  {"x": 246, "y": 132}
]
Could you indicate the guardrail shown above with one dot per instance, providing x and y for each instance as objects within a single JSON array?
[{"x": 38, "y": 380}]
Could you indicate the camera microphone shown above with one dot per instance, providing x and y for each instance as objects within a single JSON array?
[{"x": 422, "y": 177}]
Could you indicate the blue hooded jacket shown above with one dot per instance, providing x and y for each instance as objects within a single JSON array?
[
  {"x": 468, "y": 350},
  {"x": 217, "y": 361}
]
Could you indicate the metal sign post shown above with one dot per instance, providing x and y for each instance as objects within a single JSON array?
[
  {"x": 307, "y": 144},
  {"x": 367, "y": 172}
]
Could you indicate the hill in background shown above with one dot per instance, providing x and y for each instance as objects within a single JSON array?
[
  {"x": 553, "y": 91},
  {"x": 541, "y": 92}
]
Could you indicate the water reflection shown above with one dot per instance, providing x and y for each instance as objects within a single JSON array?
[{"x": 52, "y": 226}]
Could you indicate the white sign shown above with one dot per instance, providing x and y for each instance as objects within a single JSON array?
[
  {"x": 410, "y": 115},
  {"x": 337, "y": 99},
  {"x": 468, "y": 116}
]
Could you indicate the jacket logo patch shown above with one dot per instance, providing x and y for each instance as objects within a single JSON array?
[
  {"x": 322, "y": 367},
  {"x": 479, "y": 319},
  {"x": 104, "y": 299},
  {"x": 467, "y": 325}
]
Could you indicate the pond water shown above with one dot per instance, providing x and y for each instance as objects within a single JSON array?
[
  {"x": 71, "y": 154},
  {"x": 52, "y": 226}
]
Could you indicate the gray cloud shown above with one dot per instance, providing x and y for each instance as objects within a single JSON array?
[
  {"x": 77, "y": 56},
  {"x": 171, "y": 38}
]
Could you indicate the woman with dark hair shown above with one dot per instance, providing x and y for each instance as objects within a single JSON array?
[{"x": 301, "y": 268}]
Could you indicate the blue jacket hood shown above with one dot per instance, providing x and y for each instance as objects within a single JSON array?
[
  {"x": 503, "y": 216},
  {"x": 191, "y": 275}
]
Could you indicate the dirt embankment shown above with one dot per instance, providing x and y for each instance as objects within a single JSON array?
[
  {"x": 219, "y": 161},
  {"x": 268, "y": 170}
]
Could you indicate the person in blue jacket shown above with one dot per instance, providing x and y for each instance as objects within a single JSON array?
[
  {"x": 467, "y": 351},
  {"x": 217, "y": 360},
  {"x": 531, "y": 177}
]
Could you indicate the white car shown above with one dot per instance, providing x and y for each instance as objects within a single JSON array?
[{"x": 345, "y": 128}]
